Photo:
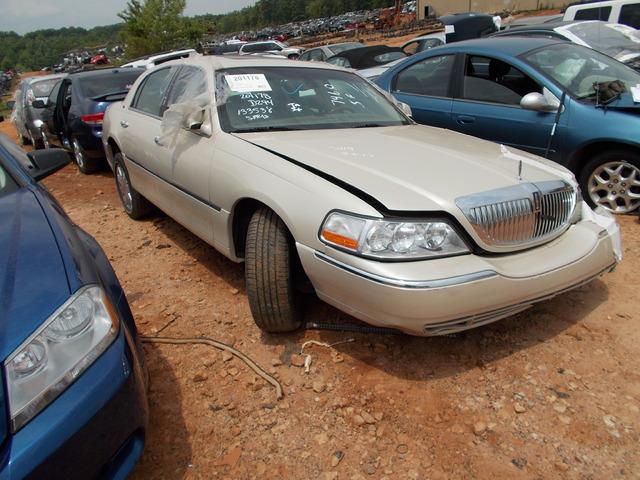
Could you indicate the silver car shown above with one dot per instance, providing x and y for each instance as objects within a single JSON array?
[
  {"x": 273, "y": 47},
  {"x": 28, "y": 120},
  {"x": 308, "y": 173}
]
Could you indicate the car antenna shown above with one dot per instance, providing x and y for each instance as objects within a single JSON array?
[{"x": 555, "y": 123}]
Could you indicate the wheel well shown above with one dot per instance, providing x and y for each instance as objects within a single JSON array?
[
  {"x": 581, "y": 156},
  {"x": 114, "y": 146},
  {"x": 242, "y": 214}
]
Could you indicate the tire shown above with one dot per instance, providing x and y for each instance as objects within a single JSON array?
[
  {"x": 134, "y": 204},
  {"x": 85, "y": 164},
  {"x": 270, "y": 262},
  {"x": 612, "y": 180},
  {"x": 293, "y": 56}
]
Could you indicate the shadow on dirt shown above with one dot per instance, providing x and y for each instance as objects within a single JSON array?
[
  {"x": 230, "y": 272},
  {"x": 418, "y": 358},
  {"x": 166, "y": 422}
]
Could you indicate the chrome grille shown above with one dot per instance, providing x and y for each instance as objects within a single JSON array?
[{"x": 520, "y": 215}]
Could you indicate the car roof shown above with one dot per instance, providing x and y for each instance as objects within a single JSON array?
[
  {"x": 547, "y": 25},
  {"x": 219, "y": 62},
  {"x": 508, "y": 45},
  {"x": 42, "y": 78},
  {"x": 104, "y": 71}
]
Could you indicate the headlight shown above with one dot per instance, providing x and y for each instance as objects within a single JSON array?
[
  {"x": 58, "y": 352},
  {"x": 391, "y": 239}
]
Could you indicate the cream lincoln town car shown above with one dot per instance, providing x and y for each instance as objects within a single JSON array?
[{"x": 308, "y": 173}]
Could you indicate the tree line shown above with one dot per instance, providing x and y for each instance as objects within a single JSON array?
[{"x": 156, "y": 25}]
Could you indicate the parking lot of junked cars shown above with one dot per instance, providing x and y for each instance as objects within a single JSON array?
[{"x": 369, "y": 195}]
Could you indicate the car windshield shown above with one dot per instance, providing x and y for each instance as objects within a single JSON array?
[
  {"x": 578, "y": 68},
  {"x": 43, "y": 88},
  {"x": 343, "y": 47},
  {"x": 608, "y": 38},
  {"x": 100, "y": 85},
  {"x": 294, "y": 98}
]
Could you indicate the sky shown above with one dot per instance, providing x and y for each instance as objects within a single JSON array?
[{"x": 24, "y": 16}]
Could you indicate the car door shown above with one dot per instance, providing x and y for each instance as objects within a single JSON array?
[
  {"x": 139, "y": 134},
  {"x": 426, "y": 86},
  {"x": 487, "y": 105},
  {"x": 48, "y": 113},
  {"x": 187, "y": 156}
]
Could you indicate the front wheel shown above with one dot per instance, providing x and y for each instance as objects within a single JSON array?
[
  {"x": 611, "y": 180},
  {"x": 270, "y": 263}
]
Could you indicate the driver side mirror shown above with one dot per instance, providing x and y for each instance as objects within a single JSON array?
[
  {"x": 46, "y": 162},
  {"x": 39, "y": 104},
  {"x": 538, "y": 102}
]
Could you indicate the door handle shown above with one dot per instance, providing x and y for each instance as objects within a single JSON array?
[
  {"x": 465, "y": 119},
  {"x": 124, "y": 124},
  {"x": 157, "y": 140}
]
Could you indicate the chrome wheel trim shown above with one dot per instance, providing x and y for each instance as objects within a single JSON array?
[
  {"x": 123, "y": 188},
  {"x": 615, "y": 186},
  {"x": 45, "y": 140},
  {"x": 78, "y": 154}
]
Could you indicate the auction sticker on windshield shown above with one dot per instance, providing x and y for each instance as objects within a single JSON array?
[{"x": 255, "y": 82}]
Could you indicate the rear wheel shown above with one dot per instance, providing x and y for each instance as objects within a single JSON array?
[
  {"x": 134, "y": 204},
  {"x": 611, "y": 180},
  {"x": 85, "y": 164},
  {"x": 270, "y": 263}
]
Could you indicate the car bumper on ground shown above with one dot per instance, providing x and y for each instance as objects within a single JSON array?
[
  {"x": 95, "y": 429},
  {"x": 437, "y": 297}
]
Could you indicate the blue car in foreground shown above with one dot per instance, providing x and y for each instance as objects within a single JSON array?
[
  {"x": 553, "y": 98},
  {"x": 73, "y": 395}
]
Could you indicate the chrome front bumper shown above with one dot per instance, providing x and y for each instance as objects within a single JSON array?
[{"x": 415, "y": 297}]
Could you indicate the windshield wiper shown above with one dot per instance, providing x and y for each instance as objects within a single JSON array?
[
  {"x": 367, "y": 125},
  {"x": 266, "y": 129}
]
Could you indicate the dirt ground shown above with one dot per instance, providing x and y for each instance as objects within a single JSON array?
[{"x": 553, "y": 392}]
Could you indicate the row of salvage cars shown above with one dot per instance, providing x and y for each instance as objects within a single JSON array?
[{"x": 309, "y": 174}]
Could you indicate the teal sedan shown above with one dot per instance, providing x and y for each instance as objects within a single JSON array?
[{"x": 552, "y": 98}]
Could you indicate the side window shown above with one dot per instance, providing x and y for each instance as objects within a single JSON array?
[
  {"x": 430, "y": 77},
  {"x": 53, "y": 96},
  {"x": 249, "y": 49},
  {"x": 190, "y": 83},
  {"x": 431, "y": 43},
  {"x": 151, "y": 93},
  {"x": 630, "y": 15},
  {"x": 305, "y": 57},
  {"x": 273, "y": 46},
  {"x": 494, "y": 81},
  {"x": 260, "y": 47},
  {"x": 316, "y": 55},
  {"x": 600, "y": 13},
  {"x": 411, "y": 48}
]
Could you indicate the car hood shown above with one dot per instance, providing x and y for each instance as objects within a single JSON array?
[
  {"x": 33, "y": 280},
  {"x": 410, "y": 168}
]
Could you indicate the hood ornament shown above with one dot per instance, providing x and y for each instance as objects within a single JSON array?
[{"x": 520, "y": 170}]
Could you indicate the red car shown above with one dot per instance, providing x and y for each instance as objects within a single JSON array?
[{"x": 100, "y": 59}]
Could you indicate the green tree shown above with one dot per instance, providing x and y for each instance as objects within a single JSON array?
[{"x": 156, "y": 25}]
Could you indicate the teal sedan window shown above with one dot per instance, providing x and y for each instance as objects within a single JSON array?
[{"x": 578, "y": 69}]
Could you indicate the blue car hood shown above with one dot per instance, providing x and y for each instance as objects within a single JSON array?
[
  {"x": 33, "y": 279},
  {"x": 625, "y": 102}
]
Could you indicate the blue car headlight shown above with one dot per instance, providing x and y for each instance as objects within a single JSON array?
[{"x": 53, "y": 357}]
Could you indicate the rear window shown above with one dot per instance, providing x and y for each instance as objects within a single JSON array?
[{"x": 112, "y": 82}]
